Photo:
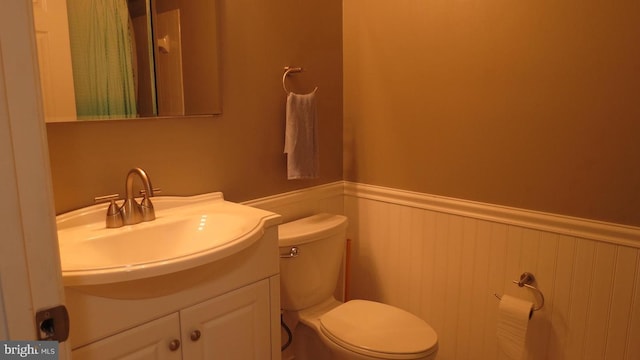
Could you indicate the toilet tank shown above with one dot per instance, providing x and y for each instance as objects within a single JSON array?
[{"x": 311, "y": 276}]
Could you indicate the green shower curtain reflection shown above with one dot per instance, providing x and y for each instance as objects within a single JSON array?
[{"x": 102, "y": 57}]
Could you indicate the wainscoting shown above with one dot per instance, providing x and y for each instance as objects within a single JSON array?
[{"x": 443, "y": 259}]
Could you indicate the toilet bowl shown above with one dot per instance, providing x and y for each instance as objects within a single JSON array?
[{"x": 311, "y": 253}]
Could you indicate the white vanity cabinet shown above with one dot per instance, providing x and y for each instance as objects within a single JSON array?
[
  {"x": 228, "y": 309},
  {"x": 232, "y": 326}
]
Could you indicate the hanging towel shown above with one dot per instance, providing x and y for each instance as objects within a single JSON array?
[{"x": 301, "y": 138}]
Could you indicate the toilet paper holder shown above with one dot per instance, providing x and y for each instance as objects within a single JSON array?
[{"x": 526, "y": 279}]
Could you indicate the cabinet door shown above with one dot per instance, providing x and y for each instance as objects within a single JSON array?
[
  {"x": 152, "y": 341},
  {"x": 234, "y": 326}
]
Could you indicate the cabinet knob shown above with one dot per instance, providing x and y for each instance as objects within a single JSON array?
[
  {"x": 195, "y": 335},
  {"x": 174, "y": 345}
]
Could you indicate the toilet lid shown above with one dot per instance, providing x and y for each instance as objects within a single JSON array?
[{"x": 373, "y": 328}]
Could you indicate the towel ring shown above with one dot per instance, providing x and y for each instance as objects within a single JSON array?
[{"x": 288, "y": 70}]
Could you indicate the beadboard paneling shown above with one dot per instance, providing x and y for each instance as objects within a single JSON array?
[
  {"x": 443, "y": 259},
  {"x": 445, "y": 265},
  {"x": 300, "y": 203}
]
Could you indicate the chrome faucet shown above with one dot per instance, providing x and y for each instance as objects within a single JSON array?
[{"x": 131, "y": 212}]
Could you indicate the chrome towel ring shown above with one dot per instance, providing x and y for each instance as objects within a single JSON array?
[{"x": 288, "y": 70}]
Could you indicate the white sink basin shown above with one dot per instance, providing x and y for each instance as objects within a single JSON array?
[{"x": 187, "y": 232}]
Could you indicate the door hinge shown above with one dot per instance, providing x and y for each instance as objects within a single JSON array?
[{"x": 53, "y": 324}]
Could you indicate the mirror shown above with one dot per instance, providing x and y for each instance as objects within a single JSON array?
[{"x": 114, "y": 59}]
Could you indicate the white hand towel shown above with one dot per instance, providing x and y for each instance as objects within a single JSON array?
[{"x": 301, "y": 138}]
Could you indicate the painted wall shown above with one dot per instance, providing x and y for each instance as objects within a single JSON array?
[
  {"x": 522, "y": 103},
  {"x": 239, "y": 152}
]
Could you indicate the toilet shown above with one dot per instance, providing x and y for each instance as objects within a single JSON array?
[{"x": 311, "y": 254}]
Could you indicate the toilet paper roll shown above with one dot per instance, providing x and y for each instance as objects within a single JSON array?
[{"x": 513, "y": 320}]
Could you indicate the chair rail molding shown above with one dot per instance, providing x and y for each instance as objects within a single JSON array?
[{"x": 560, "y": 224}]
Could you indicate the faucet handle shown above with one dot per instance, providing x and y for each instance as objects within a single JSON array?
[
  {"x": 143, "y": 192},
  {"x": 105, "y": 198},
  {"x": 148, "y": 212},
  {"x": 114, "y": 216}
]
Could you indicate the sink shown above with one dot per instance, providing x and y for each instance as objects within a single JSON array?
[{"x": 187, "y": 232}]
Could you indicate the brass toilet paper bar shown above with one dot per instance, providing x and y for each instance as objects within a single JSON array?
[{"x": 526, "y": 279}]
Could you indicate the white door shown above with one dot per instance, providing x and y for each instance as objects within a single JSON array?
[
  {"x": 30, "y": 277},
  {"x": 54, "y": 59}
]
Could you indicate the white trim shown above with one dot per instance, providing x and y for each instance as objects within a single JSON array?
[
  {"x": 29, "y": 143},
  {"x": 560, "y": 224},
  {"x": 311, "y": 194},
  {"x": 17, "y": 305},
  {"x": 30, "y": 256}
]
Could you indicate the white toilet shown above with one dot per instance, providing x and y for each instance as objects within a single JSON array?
[{"x": 311, "y": 252}]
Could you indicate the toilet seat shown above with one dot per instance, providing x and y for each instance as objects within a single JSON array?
[{"x": 378, "y": 330}]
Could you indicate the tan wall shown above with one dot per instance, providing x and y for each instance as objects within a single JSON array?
[
  {"x": 521, "y": 103},
  {"x": 239, "y": 152}
]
